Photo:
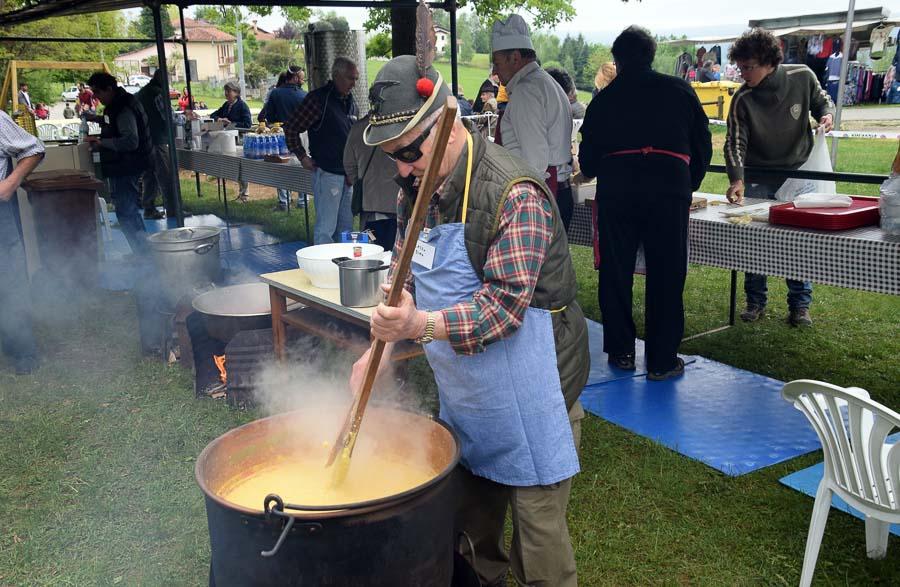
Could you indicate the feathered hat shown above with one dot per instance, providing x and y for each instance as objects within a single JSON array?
[{"x": 408, "y": 88}]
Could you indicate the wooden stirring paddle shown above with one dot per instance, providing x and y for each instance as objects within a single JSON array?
[{"x": 346, "y": 440}]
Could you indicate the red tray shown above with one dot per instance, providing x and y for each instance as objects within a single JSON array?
[{"x": 862, "y": 212}]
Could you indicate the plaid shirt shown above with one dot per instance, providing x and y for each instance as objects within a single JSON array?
[
  {"x": 304, "y": 117},
  {"x": 511, "y": 268}
]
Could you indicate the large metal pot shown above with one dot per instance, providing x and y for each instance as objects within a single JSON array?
[
  {"x": 402, "y": 539},
  {"x": 229, "y": 310},
  {"x": 187, "y": 259},
  {"x": 360, "y": 281}
]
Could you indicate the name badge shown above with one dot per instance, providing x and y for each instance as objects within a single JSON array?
[{"x": 423, "y": 254}]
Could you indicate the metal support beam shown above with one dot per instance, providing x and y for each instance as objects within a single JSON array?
[
  {"x": 845, "y": 64},
  {"x": 74, "y": 40},
  {"x": 168, "y": 115},
  {"x": 187, "y": 63},
  {"x": 453, "y": 48}
]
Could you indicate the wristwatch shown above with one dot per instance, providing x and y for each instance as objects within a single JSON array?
[{"x": 428, "y": 336}]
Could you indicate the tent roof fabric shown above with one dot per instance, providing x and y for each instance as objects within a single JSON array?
[
  {"x": 40, "y": 9},
  {"x": 836, "y": 28}
]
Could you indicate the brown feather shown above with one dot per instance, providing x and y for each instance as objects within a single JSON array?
[{"x": 426, "y": 40}]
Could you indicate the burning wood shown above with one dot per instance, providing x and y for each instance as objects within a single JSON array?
[{"x": 220, "y": 361}]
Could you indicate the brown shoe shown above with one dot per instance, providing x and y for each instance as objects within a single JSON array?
[
  {"x": 624, "y": 361},
  {"x": 799, "y": 317},
  {"x": 753, "y": 313},
  {"x": 675, "y": 371}
]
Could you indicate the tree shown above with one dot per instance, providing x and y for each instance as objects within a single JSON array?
[
  {"x": 144, "y": 25},
  {"x": 290, "y": 32},
  {"x": 337, "y": 23},
  {"x": 466, "y": 53},
  {"x": 44, "y": 84},
  {"x": 546, "y": 45},
  {"x": 379, "y": 45},
  {"x": 255, "y": 74},
  {"x": 544, "y": 13},
  {"x": 402, "y": 21},
  {"x": 274, "y": 56}
]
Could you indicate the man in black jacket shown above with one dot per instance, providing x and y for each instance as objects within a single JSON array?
[
  {"x": 646, "y": 139},
  {"x": 125, "y": 148}
]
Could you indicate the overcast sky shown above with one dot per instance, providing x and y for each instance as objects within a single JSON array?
[{"x": 601, "y": 20}]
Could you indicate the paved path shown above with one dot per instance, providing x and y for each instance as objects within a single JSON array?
[{"x": 871, "y": 113}]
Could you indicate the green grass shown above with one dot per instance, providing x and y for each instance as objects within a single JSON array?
[{"x": 97, "y": 448}]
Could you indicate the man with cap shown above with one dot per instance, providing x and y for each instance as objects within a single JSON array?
[
  {"x": 327, "y": 113},
  {"x": 491, "y": 291},
  {"x": 537, "y": 122}
]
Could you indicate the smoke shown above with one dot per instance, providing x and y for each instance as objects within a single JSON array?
[{"x": 314, "y": 383}]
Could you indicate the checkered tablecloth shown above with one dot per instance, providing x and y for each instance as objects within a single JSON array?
[
  {"x": 862, "y": 258},
  {"x": 289, "y": 176}
]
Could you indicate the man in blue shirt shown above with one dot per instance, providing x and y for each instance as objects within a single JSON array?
[{"x": 282, "y": 102}]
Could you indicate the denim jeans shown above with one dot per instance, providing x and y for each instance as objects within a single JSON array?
[
  {"x": 125, "y": 195},
  {"x": 332, "y": 196},
  {"x": 799, "y": 292}
]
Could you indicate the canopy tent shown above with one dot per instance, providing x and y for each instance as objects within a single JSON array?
[
  {"x": 41, "y": 9},
  {"x": 825, "y": 23}
]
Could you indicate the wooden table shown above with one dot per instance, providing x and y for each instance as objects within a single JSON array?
[{"x": 323, "y": 315}]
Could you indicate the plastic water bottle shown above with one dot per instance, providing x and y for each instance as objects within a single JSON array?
[
  {"x": 82, "y": 130},
  {"x": 271, "y": 145},
  {"x": 246, "y": 145},
  {"x": 282, "y": 144}
]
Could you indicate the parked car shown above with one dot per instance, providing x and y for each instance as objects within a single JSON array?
[
  {"x": 71, "y": 94},
  {"x": 139, "y": 80}
]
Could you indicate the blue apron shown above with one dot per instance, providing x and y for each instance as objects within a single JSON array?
[{"x": 506, "y": 403}]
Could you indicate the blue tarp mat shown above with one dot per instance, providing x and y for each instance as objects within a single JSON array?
[
  {"x": 730, "y": 419},
  {"x": 257, "y": 260},
  {"x": 602, "y": 371},
  {"x": 807, "y": 481}
]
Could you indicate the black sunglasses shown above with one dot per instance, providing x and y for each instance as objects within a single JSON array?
[{"x": 411, "y": 152}]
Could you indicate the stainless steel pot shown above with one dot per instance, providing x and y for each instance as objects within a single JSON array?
[
  {"x": 229, "y": 310},
  {"x": 360, "y": 281},
  {"x": 187, "y": 259}
]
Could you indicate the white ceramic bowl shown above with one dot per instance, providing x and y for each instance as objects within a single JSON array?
[{"x": 316, "y": 262}]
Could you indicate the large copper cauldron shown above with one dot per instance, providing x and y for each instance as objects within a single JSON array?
[{"x": 404, "y": 539}]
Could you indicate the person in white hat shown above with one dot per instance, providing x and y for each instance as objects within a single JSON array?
[{"x": 537, "y": 122}]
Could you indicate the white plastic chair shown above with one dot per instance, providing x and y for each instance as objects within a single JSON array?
[
  {"x": 48, "y": 132},
  {"x": 71, "y": 130},
  {"x": 860, "y": 466},
  {"x": 103, "y": 218}
]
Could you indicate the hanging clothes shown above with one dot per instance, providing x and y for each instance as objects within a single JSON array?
[{"x": 878, "y": 39}]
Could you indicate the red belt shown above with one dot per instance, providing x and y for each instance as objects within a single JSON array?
[{"x": 648, "y": 150}]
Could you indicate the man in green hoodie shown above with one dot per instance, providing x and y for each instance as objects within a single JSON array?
[{"x": 769, "y": 126}]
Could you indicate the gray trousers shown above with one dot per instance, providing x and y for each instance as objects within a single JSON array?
[
  {"x": 16, "y": 331},
  {"x": 158, "y": 178},
  {"x": 541, "y": 553}
]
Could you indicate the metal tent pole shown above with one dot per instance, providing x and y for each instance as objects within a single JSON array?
[
  {"x": 187, "y": 64},
  {"x": 453, "y": 47},
  {"x": 173, "y": 157},
  {"x": 845, "y": 64}
]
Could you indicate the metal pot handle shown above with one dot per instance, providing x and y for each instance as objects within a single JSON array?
[
  {"x": 204, "y": 248},
  {"x": 273, "y": 506},
  {"x": 381, "y": 267},
  {"x": 338, "y": 260}
]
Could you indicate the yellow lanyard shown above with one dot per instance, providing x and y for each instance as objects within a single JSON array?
[{"x": 465, "y": 203}]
